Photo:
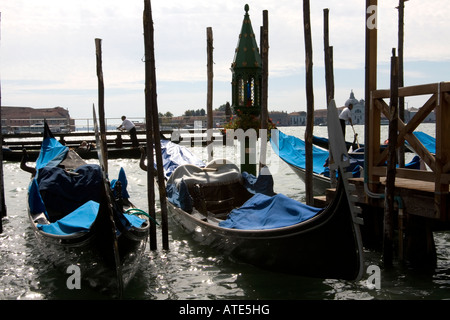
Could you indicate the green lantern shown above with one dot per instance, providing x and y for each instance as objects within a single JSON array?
[
  {"x": 247, "y": 72},
  {"x": 246, "y": 91}
]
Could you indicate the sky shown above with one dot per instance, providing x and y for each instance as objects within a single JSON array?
[{"x": 47, "y": 51}]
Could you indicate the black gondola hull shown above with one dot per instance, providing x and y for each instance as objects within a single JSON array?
[
  {"x": 325, "y": 246},
  {"x": 92, "y": 252}
]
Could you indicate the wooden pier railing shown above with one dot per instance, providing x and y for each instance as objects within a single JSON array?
[{"x": 438, "y": 177}]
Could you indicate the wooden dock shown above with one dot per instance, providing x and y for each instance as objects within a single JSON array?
[
  {"x": 114, "y": 139},
  {"x": 422, "y": 197}
]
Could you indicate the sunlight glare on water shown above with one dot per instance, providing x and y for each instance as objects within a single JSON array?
[{"x": 189, "y": 271}]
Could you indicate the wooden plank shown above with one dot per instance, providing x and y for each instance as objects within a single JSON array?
[
  {"x": 417, "y": 90},
  {"x": 421, "y": 175},
  {"x": 412, "y": 174}
]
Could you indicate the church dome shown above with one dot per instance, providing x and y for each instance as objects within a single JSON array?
[{"x": 352, "y": 100}]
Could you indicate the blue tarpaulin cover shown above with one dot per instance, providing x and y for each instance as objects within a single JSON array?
[
  {"x": 179, "y": 197},
  {"x": 70, "y": 200},
  {"x": 292, "y": 150},
  {"x": 133, "y": 221},
  {"x": 264, "y": 212},
  {"x": 79, "y": 220},
  {"x": 261, "y": 184},
  {"x": 174, "y": 155},
  {"x": 62, "y": 192},
  {"x": 51, "y": 154},
  {"x": 428, "y": 141},
  {"x": 124, "y": 181}
]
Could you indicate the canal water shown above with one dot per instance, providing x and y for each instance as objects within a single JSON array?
[{"x": 188, "y": 271}]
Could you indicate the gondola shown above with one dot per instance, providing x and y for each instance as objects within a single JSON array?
[
  {"x": 324, "y": 143},
  {"x": 222, "y": 208},
  {"x": 79, "y": 222},
  {"x": 323, "y": 245},
  {"x": 291, "y": 150}
]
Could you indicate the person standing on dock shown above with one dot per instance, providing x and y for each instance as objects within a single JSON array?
[
  {"x": 346, "y": 115},
  {"x": 131, "y": 128}
]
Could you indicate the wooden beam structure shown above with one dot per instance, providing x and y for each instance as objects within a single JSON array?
[{"x": 438, "y": 163}]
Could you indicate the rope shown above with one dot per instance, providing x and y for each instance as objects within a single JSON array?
[{"x": 139, "y": 211}]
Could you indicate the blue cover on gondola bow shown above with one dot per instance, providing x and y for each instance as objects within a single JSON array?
[
  {"x": 124, "y": 182},
  {"x": 174, "y": 156},
  {"x": 428, "y": 141},
  {"x": 52, "y": 153},
  {"x": 79, "y": 220},
  {"x": 264, "y": 212},
  {"x": 292, "y": 150}
]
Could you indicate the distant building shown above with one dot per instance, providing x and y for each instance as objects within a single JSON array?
[
  {"x": 26, "y": 119},
  {"x": 279, "y": 118},
  {"x": 297, "y": 118},
  {"x": 410, "y": 113},
  {"x": 358, "y": 110}
]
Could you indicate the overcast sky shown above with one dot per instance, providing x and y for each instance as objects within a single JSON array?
[{"x": 47, "y": 51}]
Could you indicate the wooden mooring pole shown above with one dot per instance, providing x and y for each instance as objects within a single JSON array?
[
  {"x": 2, "y": 189},
  {"x": 152, "y": 107},
  {"x": 401, "y": 99},
  {"x": 329, "y": 74},
  {"x": 388, "y": 233},
  {"x": 328, "y": 56},
  {"x": 209, "y": 100},
  {"x": 309, "y": 103},
  {"x": 264, "y": 86},
  {"x": 101, "y": 102}
]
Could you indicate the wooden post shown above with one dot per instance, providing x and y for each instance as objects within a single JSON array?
[
  {"x": 2, "y": 189},
  {"x": 391, "y": 163},
  {"x": 401, "y": 101},
  {"x": 442, "y": 157},
  {"x": 209, "y": 102},
  {"x": 150, "y": 89},
  {"x": 149, "y": 138},
  {"x": 310, "y": 103},
  {"x": 370, "y": 85},
  {"x": 264, "y": 86},
  {"x": 101, "y": 101},
  {"x": 329, "y": 75}
]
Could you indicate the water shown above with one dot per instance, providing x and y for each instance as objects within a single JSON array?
[{"x": 189, "y": 271}]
